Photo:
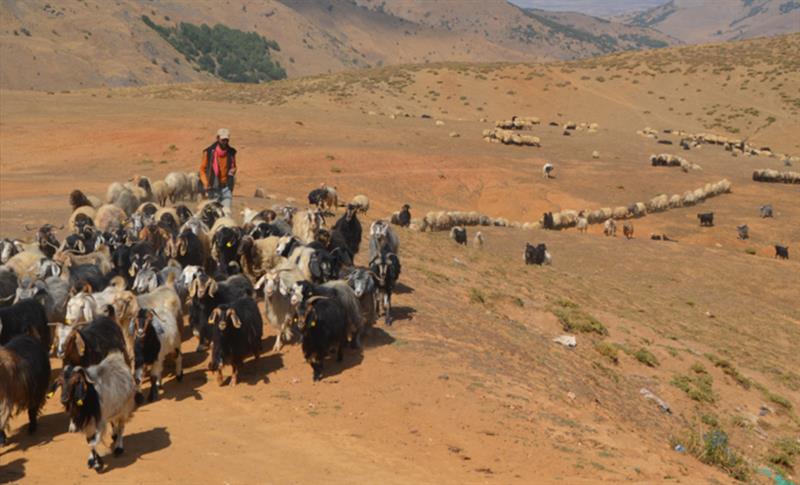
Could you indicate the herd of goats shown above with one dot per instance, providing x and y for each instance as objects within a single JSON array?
[{"x": 109, "y": 300}]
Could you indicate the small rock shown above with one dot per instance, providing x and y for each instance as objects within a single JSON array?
[
  {"x": 439, "y": 123},
  {"x": 444, "y": 377},
  {"x": 680, "y": 448},
  {"x": 595, "y": 154},
  {"x": 259, "y": 194},
  {"x": 661, "y": 403},
  {"x": 454, "y": 134},
  {"x": 295, "y": 380},
  {"x": 372, "y": 113},
  {"x": 571, "y": 395},
  {"x": 709, "y": 315},
  {"x": 566, "y": 340},
  {"x": 764, "y": 410},
  {"x": 483, "y": 120}
]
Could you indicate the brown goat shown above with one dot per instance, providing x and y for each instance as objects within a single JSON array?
[
  {"x": 627, "y": 230},
  {"x": 24, "y": 376}
]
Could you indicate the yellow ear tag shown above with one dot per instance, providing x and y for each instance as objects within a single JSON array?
[
  {"x": 228, "y": 244},
  {"x": 313, "y": 323},
  {"x": 80, "y": 402},
  {"x": 50, "y": 394}
]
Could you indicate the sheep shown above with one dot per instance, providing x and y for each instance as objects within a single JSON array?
[
  {"x": 24, "y": 376},
  {"x": 547, "y": 170},
  {"x": 306, "y": 225},
  {"x": 781, "y": 252},
  {"x": 362, "y": 281},
  {"x": 382, "y": 238},
  {"x": 361, "y": 203},
  {"x": 257, "y": 256},
  {"x": 160, "y": 192},
  {"x": 620, "y": 212},
  {"x": 178, "y": 186},
  {"x": 184, "y": 214},
  {"x": 583, "y": 224},
  {"x": 343, "y": 294},
  {"x": 237, "y": 330},
  {"x": 706, "y": 218},
  {"x": 386, "y": 269},
  {"x": 323, "y": 327},
  {"x": 627, "y": 230},
  {"x": 195, "y": 185},
  {"x": 296, "y": 254},
  {"x": 109, "y": 217},
  {"x": 536, "y": 254},
  {"x": 477, "y": 241},
  {"x": 458, "y": 234},
  {"x": 610, "y": 228},
  {"x": 210, "y": 211},
  {"x": 766, "y": 210},
  {"x": 126, "y": 200},
  {"x": 743, "y": 231},
  {"x": 113, "y": 191},
  {"x": 206, "y": 294},
  {"x": 155, "y": 336},
  {"x": 25, "y": 264},
  {"x": 278, "y": 307},
  {"x": 78, "y": 199},
  {"x": 97, "y": 396},
  {"x": 675, "y": 201},
  {"x": 25, "y": 317}
]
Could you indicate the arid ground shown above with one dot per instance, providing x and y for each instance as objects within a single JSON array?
[{"x": 467, "y": 386}]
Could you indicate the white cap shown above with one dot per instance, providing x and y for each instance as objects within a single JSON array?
[{"x": 223, "y": 134}]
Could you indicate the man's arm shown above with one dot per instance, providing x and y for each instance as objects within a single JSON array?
[{"x": 203, "y": 168}]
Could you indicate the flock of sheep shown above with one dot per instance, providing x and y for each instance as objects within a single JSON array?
[
  {"x": 770, "y": 175},
  {"x": 110, "y": 299}
]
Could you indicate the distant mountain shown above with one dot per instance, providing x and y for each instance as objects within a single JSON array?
[
  {"x": 67, "y": 45},
  {"x": 695, "y": 21}
]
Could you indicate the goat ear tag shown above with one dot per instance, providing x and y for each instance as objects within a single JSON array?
[
  {"x": 313, "y": 323},
  {"x": 228, "y": 244},
  {"x": 79, "y": 402},
  {"x": 50, "y": 394}
]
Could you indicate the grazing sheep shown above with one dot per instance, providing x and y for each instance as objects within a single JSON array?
[
  {"x": 361, "y": 203},
  {"x": 610, "y": 228},
  {"x": 155, "y": 336},
  {"x": 620, "y": 212},
  {"x": 160, "y": 192},
  {"x": 478, "y": 240},
  {"x": 97, "y": 396},
  {"x": 582, "y": 224},
  {"x": 706, "y": 218},
  {"x": 195, "y": 186},
  {"x": 459, "y": 235},
  {"x": 781, "y": 252},
  {"x": 627, "y": 230},
  {"x": 109, "y": 217},
  {"x": 547, "y": 170},
  {"x": 24, "y": 376},
  {"x": 237, "y": 330},
  {"x": 178, "y": 186}
]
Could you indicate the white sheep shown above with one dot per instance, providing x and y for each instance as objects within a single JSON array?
[
  {"x": 178, "y": 185},
  {"x": 361, "y": 202},
  {"x": 160, "y": 192}
]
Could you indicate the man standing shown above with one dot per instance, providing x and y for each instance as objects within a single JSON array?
[{"x": 218, "y": 167}]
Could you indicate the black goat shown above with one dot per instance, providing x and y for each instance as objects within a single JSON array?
[
  {"x": 26, "y": 317},
  {"x": 781, "y": 252},
  {"x": 89, "y": 344},
  {"x": 24, "y": 376},
  {"x": 404, "y": 216},
  {"x": 324, "y": 329},
  {"x": 536, "y": 254},
  {"x": 184, "y": 213},
  {"x": 386, "y": 269},
  {"x": 207, "y": 294},
  {"x": 349, "y": 227},
  {"x": 706, "y": 218},
  {"x": 237, "y": 329},
  {"x": 82, "y": 274},
  {"x": 317, "y": 196},
  {"x": 547, "y": 220},
  {"x": 187, "y": 249},
  {"x": 47, "y": 241},
  {"x": 226, "y": 244},
  {"x": 459, "y": 235}
]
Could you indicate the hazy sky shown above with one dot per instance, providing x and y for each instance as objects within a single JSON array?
[{"x": 601, "y": 8}]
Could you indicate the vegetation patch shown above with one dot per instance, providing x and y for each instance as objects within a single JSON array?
[
  {"x": 783, "y": 453},
  {"x": 229, "y": 54},
  {"x": 607, "y": 350},
  {"x": 713, "y": 448},
  {"x": 646, "y": 357},
  {"x": 729, "y": 370},
  {"x": 696, "y": 385},
  {"x": 574, "y": 319}
]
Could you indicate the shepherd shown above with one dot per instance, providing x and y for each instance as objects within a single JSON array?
[{"x": 217, "y": 169}]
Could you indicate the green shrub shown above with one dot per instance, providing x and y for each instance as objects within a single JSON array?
[
  {"x": 729, "y": 370},
  {"x": 646, "y": 357},
  {"x": 230, "y": 54},
  {"x": 573, "y": 319},
  {"x": 696, "y": 386},
  {"x": 608, "y": 350},
  {"x": 750, "y": 251},
  {"x": 783, "y": 452}
]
